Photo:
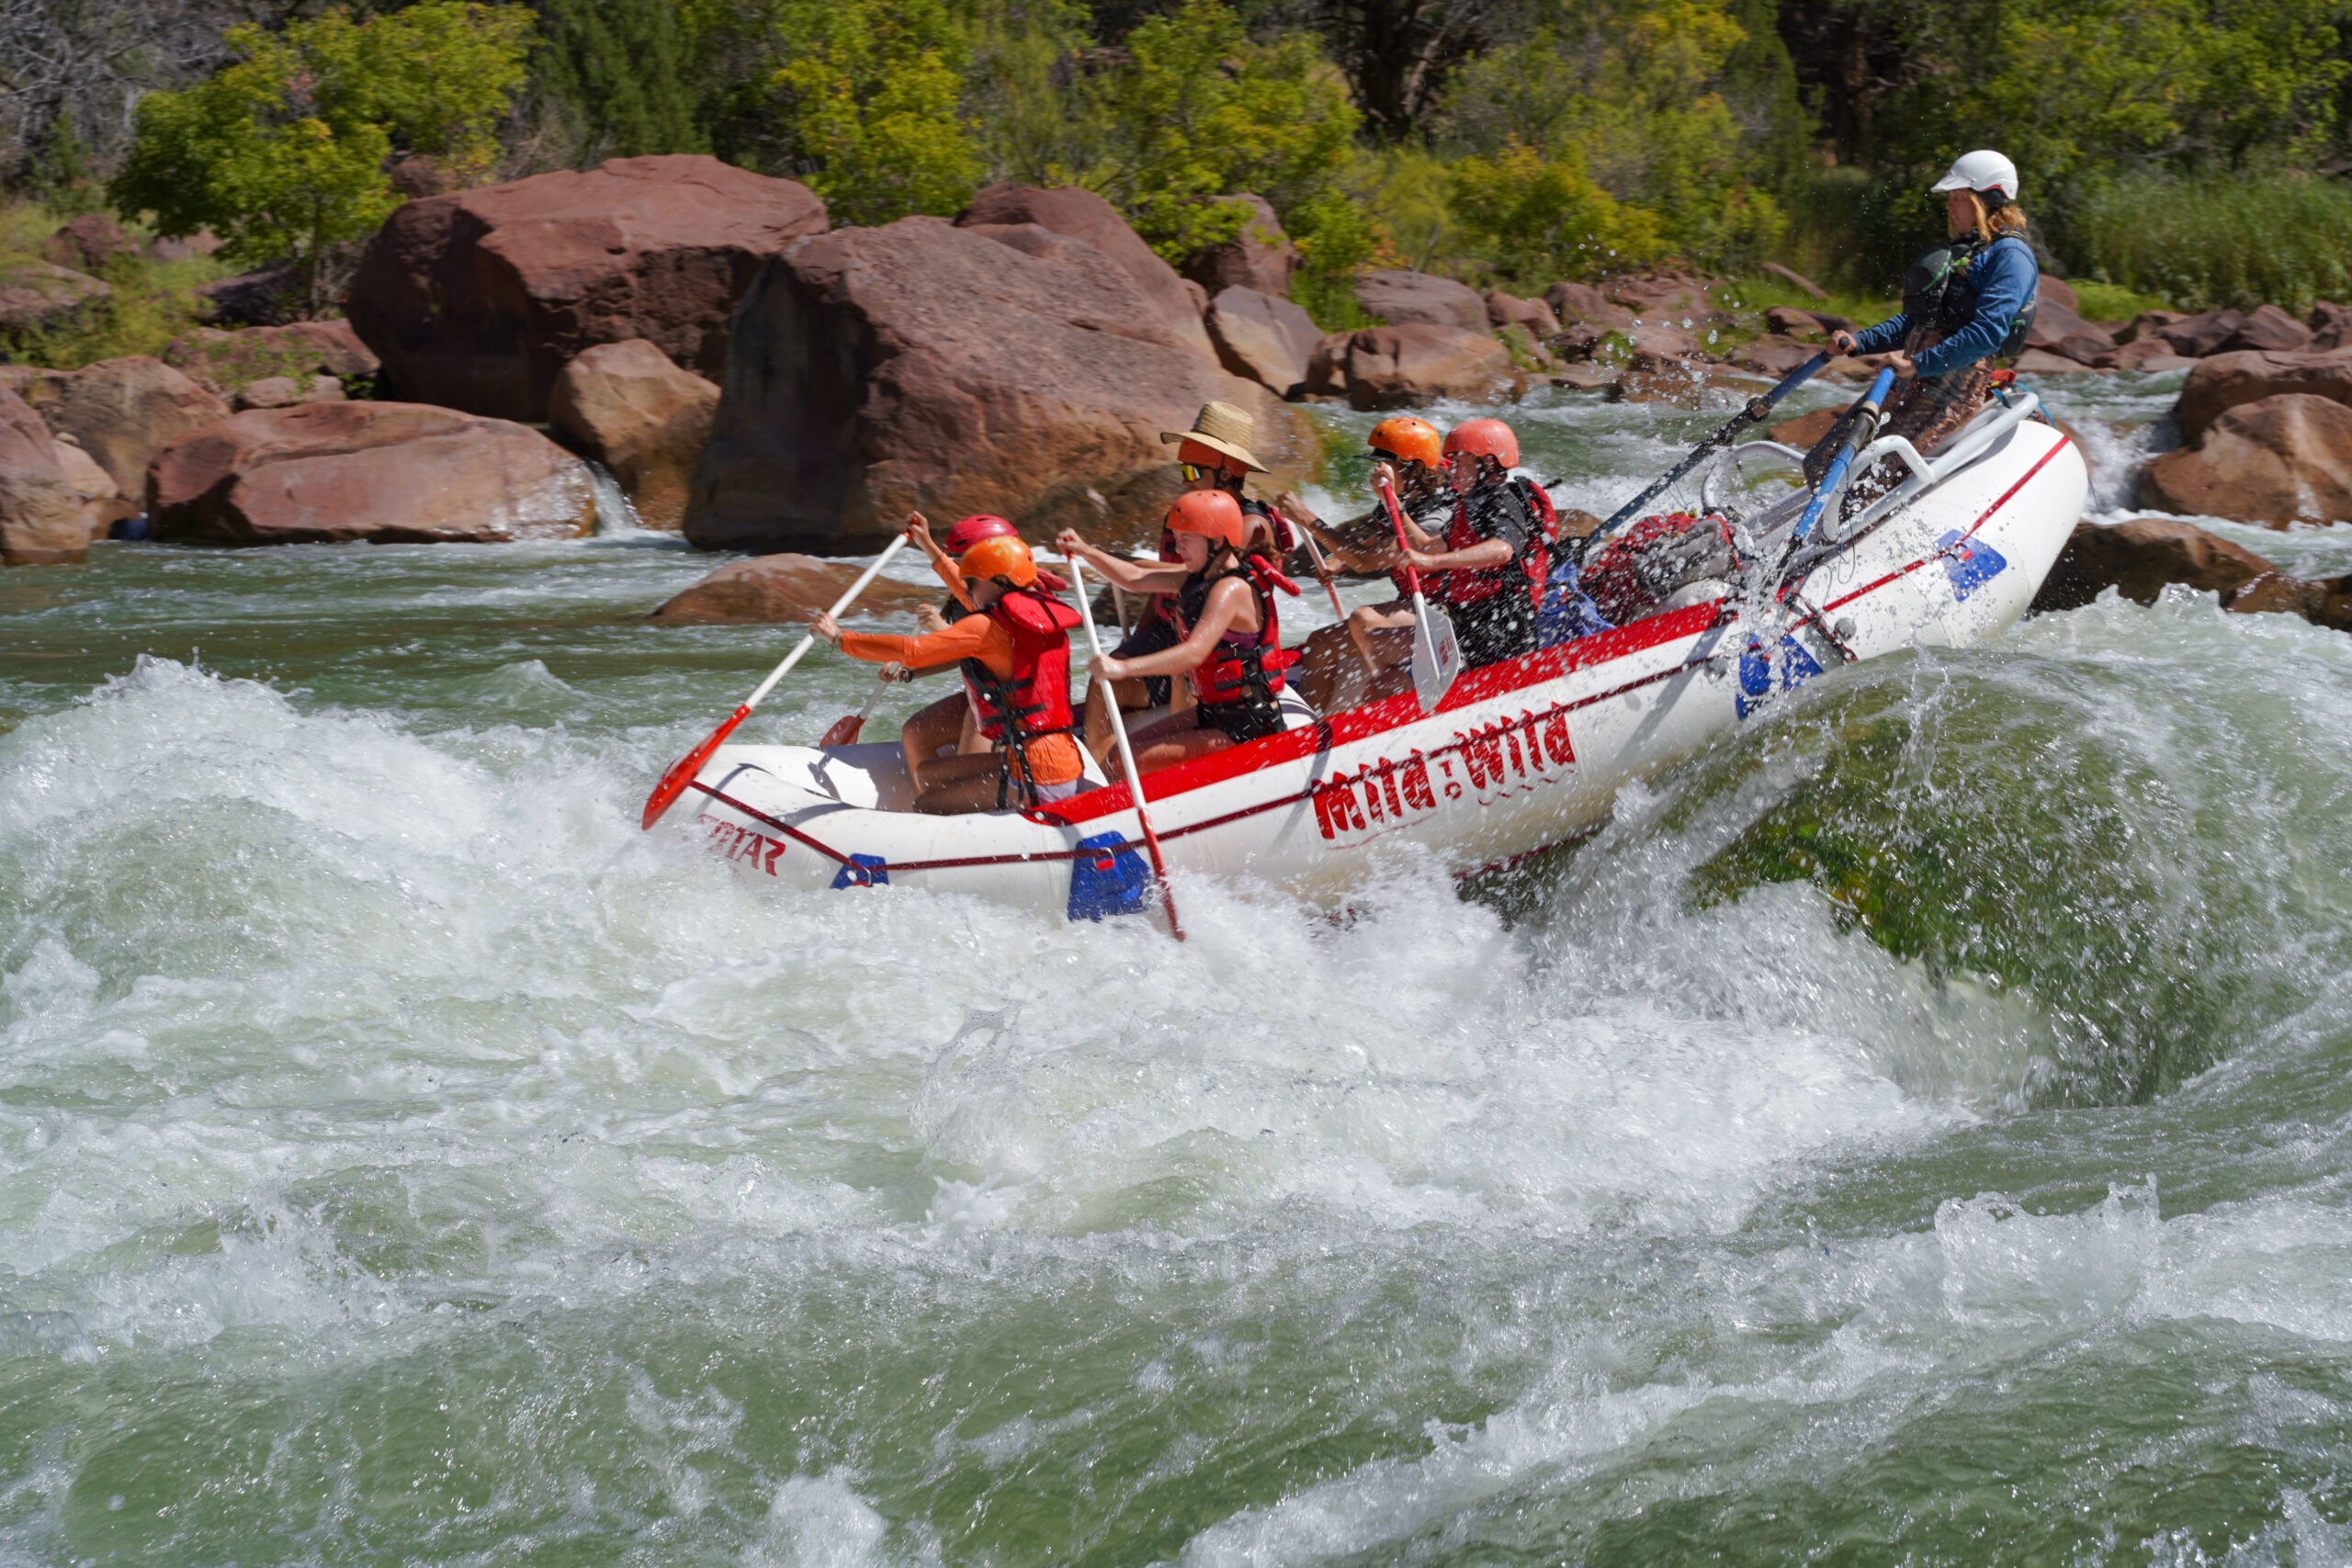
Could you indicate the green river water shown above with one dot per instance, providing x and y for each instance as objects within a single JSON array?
[{"x": 1916, "y": 1131}]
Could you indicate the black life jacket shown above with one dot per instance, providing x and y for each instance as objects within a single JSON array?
[
  {"x": 1252, "y": 671},
  {"x": 1485, "y": 512},
  {"x": 1940, "y": 291}
]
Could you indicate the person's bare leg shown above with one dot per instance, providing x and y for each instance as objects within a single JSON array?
[
  {"x": 1165, "y": 742},
  {"x": 930, "y": 729},
  {"x": 963, "y": 785},
  {"x": 1132, "y": 696}
]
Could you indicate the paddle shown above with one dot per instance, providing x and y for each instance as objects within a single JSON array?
[
  {"x": 1323, "y": 574},
  {"x": 681, "y": 772},
  {"x": 1127, "y": 752},
  {"x": 1436, "y": 652},
  {"x": 845, "y": 730},
  {"x": 1758, "y": 407},
  {"x": 1858, "y": 436}
]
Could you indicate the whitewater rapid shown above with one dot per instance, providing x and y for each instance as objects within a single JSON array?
[{"x": 1916, "y": 1128}]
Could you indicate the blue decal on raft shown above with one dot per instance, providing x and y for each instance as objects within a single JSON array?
[
  {"x": 1797, "y": 667},
  {"x": 1970, "y": 563},
  {"x": 1106, "y": 880},
  {"x": 862, "y": 871}
]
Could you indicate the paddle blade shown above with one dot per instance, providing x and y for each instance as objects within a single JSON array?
[
  {"x": 844, "y": 731},
  {"x": 1437, "y": 656},
  {"x": 681, "y": 772}
]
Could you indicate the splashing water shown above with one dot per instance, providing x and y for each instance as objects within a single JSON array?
[{"x": 1917, "y": 1124}]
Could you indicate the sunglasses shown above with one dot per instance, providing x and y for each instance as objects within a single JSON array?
[{"x": 1194, "y": 472}]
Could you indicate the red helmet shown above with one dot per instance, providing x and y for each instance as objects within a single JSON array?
[
  {"x": 1213, "y": 514},
  {"x": 973, "y": 529},
  {"x": 1488, "y": 438}
]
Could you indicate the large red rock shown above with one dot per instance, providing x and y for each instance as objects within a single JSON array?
[
  {"x": 102, "y": 500},
  {"x": 223, "y": 359},
  {"x": 2224, "y": 382},
  {"x": 2327, "y": 602},
  {"x": 1582, "y": 302},
  {"x": 2138, "y": 557},
  {"x": 2058, "y": 291},
  {"x": 2146, "y": 323},
  {"x": 2058, "y": 329},
  {"x": 2284, "y": 459},
  {"x": 1532, "y": 316},
  {"x": 1264, "y": 339},
  {"x": 36, "y": 294},
  {"x": 924, "y": 365},
  {"x": 88, "y": 242},
  {"x": 627, "y": 406},
  {"x": 1260, "y": 257},
  {"x": 780, "y": 590},
  {"x": 477, "y": 300},
  {"x": 1402, "y": 298},
  {"x": 2269, "y": 327},
  {"x": 391, "y": 473},
  {"x": 2331, "y": 326},
  {"x": 41, "y": 521},
  {"x": 123, "y": 411},
  {"x": 1405, "y": 367},
  {"x": 1080, "y": 214},
  {"x": 2197, "y": 336},
  {"x": 1772, "y": 354},
  {"x": 2150, "y": 354}
]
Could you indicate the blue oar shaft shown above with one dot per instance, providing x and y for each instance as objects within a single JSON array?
[{"x": 1858, "y": 436}]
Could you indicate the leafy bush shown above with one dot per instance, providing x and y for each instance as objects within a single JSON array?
[
  {"x": 2221, "y": 240},
  {"x": 873, "y": 90},
  {"x": 153, "y": 302},
  {"x": 1538, "y": 218},
  {"x": 283, "y": 154}
]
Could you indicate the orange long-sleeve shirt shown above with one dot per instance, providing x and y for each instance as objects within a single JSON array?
[{"x": 1053, "y": 758}]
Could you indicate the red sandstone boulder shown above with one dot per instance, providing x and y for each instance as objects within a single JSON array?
[
  {"x": 2146, "y": 324},
  {"x": 88, "y": 242},
  {"x": 285, "y": 392},
  {"x": 2226, "y": 380},
  {"x": 1264, "y": 339},
  {"x": 2057, "y": 329},
  {"x": 123, "y": 411},
  {"x": 41, "y": 519},
  {"x": 389, "y": 473},
  {"x": 924, "y": 365},
  {"x": 2284, "y": 459},
  {"x": 1080, "y": 214},
  {"x": 2327, "y": 602},
  {"x": 1772, "y": 356},
  {"x": 1805, "y": 431},
  {"x": 2058, "y": 291},
  {"x": 2331, "y": 327},
  {"x": 1532, "y": 316},
  {"x": 2151, "y": 353},
  {"x": 1582, "y": 302},
  {"x": 1405, "y": 367},
  {"x": 628, "y": 407},
  {"x": 2138, "y": 557},
  {"x": 2197, "y": 336},
  {"x": 1403, "y": 298},
  {"x": 780, "y": 590},
  {"x": 2042, "y": 362},
  {"x": 1662, "y": 296},
  {"x": 2269, "y": 328},
  {"x": 477, "y": 300},
  {"x": 224, "y": 360},
  {"x": 36, "y": 294},
  {"x": 1259, "y": 258}
]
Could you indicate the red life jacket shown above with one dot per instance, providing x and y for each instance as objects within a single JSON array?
[
  {"x": 1469, "y": 585},
  {"x": 1036, "y": 700},
  {"x": 1250, "y": 671}
]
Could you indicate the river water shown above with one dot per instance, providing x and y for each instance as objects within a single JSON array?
[{"x": 1914, "y": 1131}]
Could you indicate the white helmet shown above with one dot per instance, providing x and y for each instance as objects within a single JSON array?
[{"x": 1984, "y": 169}]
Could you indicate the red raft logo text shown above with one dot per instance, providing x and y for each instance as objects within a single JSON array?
[
  {"x": 741, "y": 843},
  {"x": 1488, "y": 763}
]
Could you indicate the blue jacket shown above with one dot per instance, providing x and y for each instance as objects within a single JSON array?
[{"x": 2004, "y": 273}]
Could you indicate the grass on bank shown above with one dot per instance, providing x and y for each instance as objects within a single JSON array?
[
  {"x": 2199, "y": 244},
  {"x": 153, "y": 301}
]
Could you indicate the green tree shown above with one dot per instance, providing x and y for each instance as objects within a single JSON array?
[
  {"x": 1539, "y": 217},
  {"x": 1202, "y": 111},
  {"x": 869, "y": 92},
  {"x": 623, "y": 67},
  {"x": 283, "y": 154}
]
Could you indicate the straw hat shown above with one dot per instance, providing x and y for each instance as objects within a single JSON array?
[{"x": 1222, "y": 428}]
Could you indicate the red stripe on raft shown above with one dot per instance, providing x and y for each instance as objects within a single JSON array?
[
  {"x": 1905, "y": 572},
  {"x": 1394, "y": 713}
]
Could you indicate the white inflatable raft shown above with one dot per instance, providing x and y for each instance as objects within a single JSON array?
[{"x": 1517, "y": 757}]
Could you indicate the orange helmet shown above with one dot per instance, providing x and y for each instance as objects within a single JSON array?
[
  {"x": 1488, "y": 438},
  {"x": 1408, "y": 439},
  {"x": 1003, "y": 557},
  {"x": 1212, "y": 513}
]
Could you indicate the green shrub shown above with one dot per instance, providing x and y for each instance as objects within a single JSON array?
[
  {"x": 2112, "y": 301},
  {"x": 153, "y": 301},
  {"x": 2220, "y": 241}
]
